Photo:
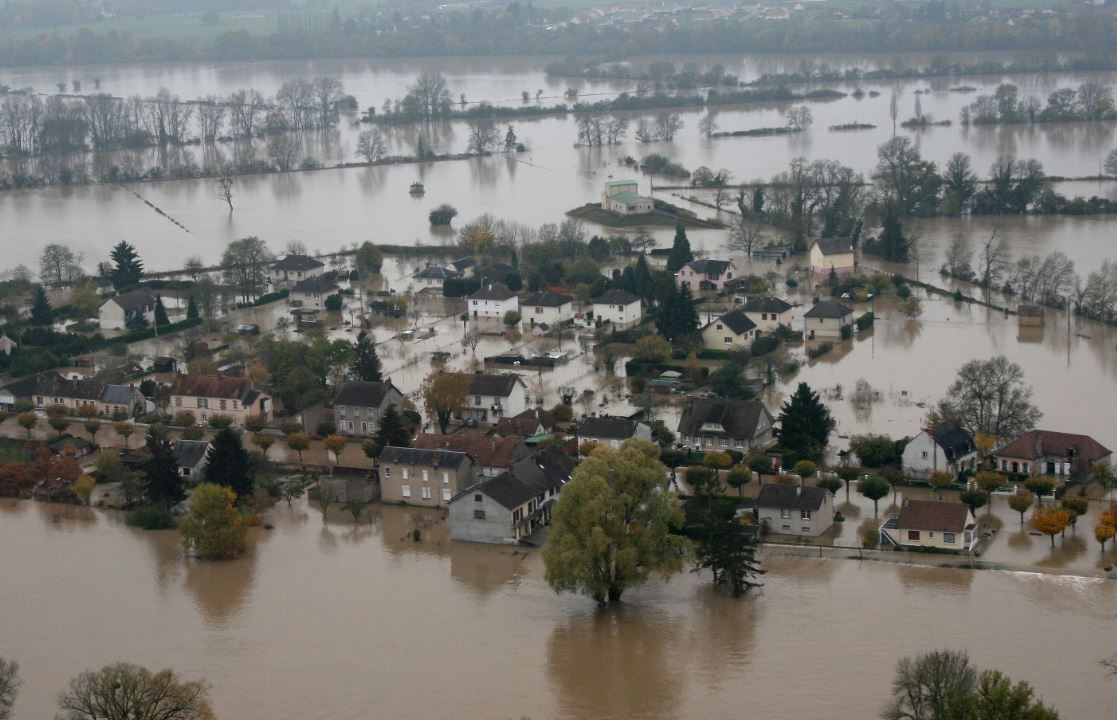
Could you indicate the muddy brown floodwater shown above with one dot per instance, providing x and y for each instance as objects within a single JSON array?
[{"x": 335, "y": 621}]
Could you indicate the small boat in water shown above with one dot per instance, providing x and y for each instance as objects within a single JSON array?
[{"x": 417, "y": 188}]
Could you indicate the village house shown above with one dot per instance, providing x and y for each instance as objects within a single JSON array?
[
  {"x": 191, "y": 457},
  {"x": 832, "y": 254},
  {"x": 510, "y": 506},
  {"x": 49, "y": 390},
  {"x": 547, "y": 308},
  {"x": 531, "y": 422},
  {"x": 492, "y": 301},
  {"x": 425, "y": 477},
  {"x": 494, "y": 396},
  {"x": 946, "y": 446},
  {"x": 122, "y": 310},
  {"x": 209, "y": 395},
  {"x": 490, "y": 456},
  {"x": 1043, "y": 452},
  {"x": 767, "y": 313},
  {"x": 623, "y": 198},
  {"x": 312, "y": 292},
  {"x": 610, "y": 430},
  {"x": 7, "y": 344},
  {"x": 713, "y": 424},
  {"x": 464, "y": 267},
  {"x": 795, "y": 509},
  {"x": 930, "y": 524},
  {"x": 359, "y": 404},
  {"x": 619, "y": 307},
  {"x": 705, "y": 275},
  {"x": 295, "y": 268},
  {"x": 732, "y": 331},
  {"x": 433, "y": 277},
  {"x": 827, "y": 320}
]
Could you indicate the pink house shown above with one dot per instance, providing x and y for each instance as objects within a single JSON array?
[{"x": 706, "y": 275}]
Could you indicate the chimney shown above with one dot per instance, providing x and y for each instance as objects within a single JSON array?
[{"x": 1039, "y": 444}]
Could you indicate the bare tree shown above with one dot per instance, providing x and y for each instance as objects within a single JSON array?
[
  {"x": 744, "y": 237},
  {"x": 327, "y": 93},
  {"x": 645, "y": 133},
  {"x": 799, "y": 118},
  {"x": 282, "y": 150},
  {"x": 129, "y": 692},
  {"x": 470, "y": 340},
  {"x": 667, "y": 125},
  {"x": 615, "y": 130},
  {"x": 245, "y": 107},
  {"x": 225, "y": 190},
  {"x": 295, "y": 247},
  {"x": 894, "y": 110},
  {"x": 9, "y": 686},
  {"x": 211, "y": 116},
  {"x": 959, "y": 255},
  {"x": 993, "y": 260},
  {"x": 643, "y": 241},
  {"x": 707, "y": 126},
  {"x": 194, "y": 266},
  {"x": 483, "y": 135},
  {"x": 58, "y": 265},
  {"x": 371, "y": 146}
]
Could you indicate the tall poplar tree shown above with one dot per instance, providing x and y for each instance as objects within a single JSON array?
[{"x": 680, "y": 251}]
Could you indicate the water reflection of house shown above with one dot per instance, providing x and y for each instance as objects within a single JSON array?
[
  {"x": 930, "y": 524},
  {"x": 946, "y": 446},
  {"x": 1043, "y": 452}
]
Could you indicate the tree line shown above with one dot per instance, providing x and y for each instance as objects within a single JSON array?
[{"x": 1090, "y": 101}]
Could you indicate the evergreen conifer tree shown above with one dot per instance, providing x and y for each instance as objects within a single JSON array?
[
  {"x": 366, "y": 364},
  {"x": 41, "y": 311},
  {"x": 229, "y": 464},
  {"x": 679, "y": 316},
  {"x": 680, "y": 251},
  {"x": 162, "y": 483},
  {"x": 805, "y": 423},
  {"x": 391, "y": 430},
  {"x": 192, "y": 309},
  {"x": 127, "y": 267},
  {"x": 161, "y": 319}
]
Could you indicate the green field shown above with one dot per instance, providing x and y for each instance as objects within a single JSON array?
[{"x": 175, "y": 27}]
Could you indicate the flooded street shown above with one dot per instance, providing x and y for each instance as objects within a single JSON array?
[{"x": 335, "y": 621}]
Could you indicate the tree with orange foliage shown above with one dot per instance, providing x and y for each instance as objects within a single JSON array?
[
  {"x": 1050, "y": 521},
  {"x": 335, "y": 444},
  {"x": 1104, "y": 532},
  {"x": 15, "y": 479}
]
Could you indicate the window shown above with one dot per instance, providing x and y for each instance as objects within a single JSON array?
[
  {"x": 476, "y": 399},
  {"x": 424, "y": 476},
  {"x": 178, "y": 401},
  {"x": 203, "y": 402},
  {"x": 786, "y": 527},
  {"x": 222, "y": 404},
  {"x": 404, "y": 471},
  {"x": 913, "y": 534},
  {"x": 724, "y": 442},
  {"x": 405, "y": 491},
  {"x": 341, "y": 411},
  {"x": 763, "y": 316},
  {"x": 538, "y": 311},
  {"x": 720, "y": 327},
  {"x": 740, "y": 443},
  {"x": 924, "y": 454},
  {"x": 426, "y": 493},
  {"x": 387, "y": 471},
  {"x": 478, "y": 514},
  {"x": 445, "y": 478},
  {"x": 785, "y": 513},
  {"x": 948, "y": 538},
  {"x": 728, "y": 340},
  {"x": 445, "y": 494},
  {"x": 804, "y": 514},
  {"x": 805, "y": 529},
  {"x": 478, "y": 497}
]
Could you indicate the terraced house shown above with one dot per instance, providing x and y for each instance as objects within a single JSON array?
[
  {"x": 209, "y": 395},
  {"x": 49, "y": 390}
]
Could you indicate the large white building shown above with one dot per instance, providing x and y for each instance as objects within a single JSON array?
[
  {"x": 623, "y": 197},
  {"x": 493, "y": 301},
  {"x": 619, "y": 307}
]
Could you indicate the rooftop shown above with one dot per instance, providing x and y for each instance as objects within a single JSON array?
[
  {"x": 707, "y": 266},
  {"x": 493, "y": 291},
  {"x": 829, "y": 309},
  {"x": 497, "y": 385},
  {"x": 486, "y": 452},
  {"x": 737, "y": 418},
  {"x": 361, "y": 393},
  {"x": 547, "y": 299},
  {"x": 766, "y": 305},
  {"x": 132, "y": 301},
  {"x": 1046, "y": 443},
  {"x": 431, "y": 457},
  {"x": 610, "y": 428},
  {"x": 834, "y": 245},
  {"x": 933, "y": 515},
  {"x": 298, "y": 263},
  {"x": 795, "y": 497},
  {"x": 616, "y": 297},
  {"x": 212, "y": 386},
  {"x": 318, "y": 284},
  {"x": 737, "y": 321}
]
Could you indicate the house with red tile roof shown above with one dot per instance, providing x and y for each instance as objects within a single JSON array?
[
  {"x": 1044, "y": 452},
  {"x": 491, "y": 456},
  {"x": 209, "y": 395}
]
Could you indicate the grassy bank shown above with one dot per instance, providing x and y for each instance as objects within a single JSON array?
[{"x": 592, "y": 212}]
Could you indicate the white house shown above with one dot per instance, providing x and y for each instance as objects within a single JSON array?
[
  {"x": 619, "y": 307},
  {"x": 492, "y": 397},
  {"x": 312, "y": 292},
  {"x": 946, "y": 446},
  {"x": 433, "y": 277},
  {"x": 732, "y": 331},
  {"x": 767, "y": 313},
  {"x": 191, "y": 456},
  {"x": 795, "y": 509},
  {"x": 706, "y": 274},
  {"x": 826, "y": 320},
  {"x": 6, "y": 344},
  {"x": 931, "y": 524},
  {"x": 833, "y": 254},
  {"x": 623, "y": 197},
  {"x": 547, "y": 308},
  {"x": 493, "y": 301},
  {"x": 116, "y": 312},
  {"x": 611, "y": 431},
  {"x": 294, "y": 268}
]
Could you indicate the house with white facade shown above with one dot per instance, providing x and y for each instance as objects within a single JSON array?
[
  {"x": 312, "y": 292},
  {"x": 933, "y": 524},
  {"x": 294, "y": 268},
  {"x": 7, "y": 344},
  {"x": 494, "y": 396},
  {"x": 832, "y": 254},
  {"x": 619, "y": 307},
  {"x": 190, "y": 455},
  {"x": 119, "y": 311},
  {"x": 719, "y": 424},
  {"x": 945, "y": 446},
  {"x": 492, "y": 301},
  {"x": 623, "y": 198},
  {"x": 547, "y": 308},
  {"x": 795, "y": 509},
  {"x": 433, "y": 277},
  {"x": 1057, "y": 454},
  {"x": 826, "y": 320},
  {"x": 732, "y": 331},
  {"x": 611, "y": 431},
  {"x": 706, "y": 275},
  {"x": 767, "y": 313},
  {"x": 209, "y": 395}
]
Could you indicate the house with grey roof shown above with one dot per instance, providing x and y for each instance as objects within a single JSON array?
[
  {"x": 834, "y": 254},
  {"x": 705, "y": 275},
  {"x": 464, "y": 267},
  {"x": 795, "y": 509},
  {"x": 51, "y": 390},
  {"x": 433, "y": 277},
  {"x": 493, "y": 396},
  {"x": 428, "y": 478},
  {"x": 827, "y": 319},
  {"x": 492, "y": 301},
  {"x": 294, "y": 268},
  {"x": 359, "y": 405},
  {"x": 767, "y": 313},
  {"x": 191, "y": 457},
  {"x": 119, "y": 311},
  {"x": 312, "y": 292},
  {"x": 619, "y": 307},
  {"x": 547, "y": 308},
  {"x": 6, "y": 344},
  {"x": 944, "y": 446},
  {"x": 512, "y": 505},
  {"x": 611, "y": 430},
  {"x": 732, "y": 331},
  {"x": 720, "y": 424}
]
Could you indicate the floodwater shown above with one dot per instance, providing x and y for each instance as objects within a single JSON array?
[{"x": 333, "y": 621}]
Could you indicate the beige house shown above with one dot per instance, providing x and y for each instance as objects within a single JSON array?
[
  {"x": 826, "y": 320},
  {"x": 833, "y": 254},
  {"x": 118, "y": 311},
  {"x": 715, "y": 424},
  {"x": 623, "y": 197},
  {"x": 795, "y": 509},
  {"x": 428, "y": 478},
  {"x": 767, "y": 313},
  {"x": 931, "y": 524},
  {"x": 705, "y": 275},
  {"x": 312, "y": 292},
  {"x": 209, "y": 395},
  {"x": 295, "y": 268},
  {"x": 359, "y": 405},
  {"x": 1044, "y": 452},
  {"x": 732, "y": 331},
  {"x": 51, "y": 390}
]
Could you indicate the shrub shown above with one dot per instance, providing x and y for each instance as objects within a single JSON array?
[
  {"x": 326, "y": 427},
  {"x": 764, "y": 345},
  {"x": 193, "y": 432},
  {"x": 847, "y": 332},
  {"x": 333, "y": 303},
  {"x": 562, "y": 413},
  {"x": 254, "y": 424},
  {"x": 652, "y": 348},
  {"x": 220, "y": 422},
  {"x": 866, "y": 320},
  {"x": 183, "y": 418},
  {"x": 821, "y": 349},
  {"x": 511, "y": 318},
  {"x": 150, "y": 517},
  {"x": 444, "y": 214}
]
